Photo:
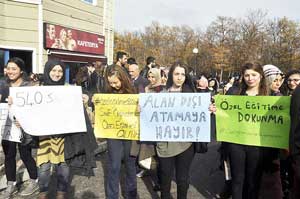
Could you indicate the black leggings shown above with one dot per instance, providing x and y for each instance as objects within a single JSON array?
[
  {"x": 246, "y": 170},
  {"x": 181, "y": 164},
  {"x": 10, "y": 152}
]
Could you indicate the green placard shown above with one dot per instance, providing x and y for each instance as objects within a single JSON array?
[{"x": 253, "y": 120}]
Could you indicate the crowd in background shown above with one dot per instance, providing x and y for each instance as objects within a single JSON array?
[{"x": 253, "y": 168}]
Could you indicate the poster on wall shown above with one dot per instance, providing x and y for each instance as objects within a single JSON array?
[{"x": 63, "y": 38}]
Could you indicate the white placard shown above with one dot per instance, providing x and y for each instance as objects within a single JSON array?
[
  {"x": 175, "y": 117},
  {"x": 9, "y": 131},
  {"x": 49, "y": 110}
]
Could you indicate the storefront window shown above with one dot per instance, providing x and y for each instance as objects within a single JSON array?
[{"x": 2, "y": 62}]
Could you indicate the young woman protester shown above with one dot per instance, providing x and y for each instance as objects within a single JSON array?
[
  {"x": 271, "y": 186},
  {"x": 292, "y": 80},
  {"x": 176, "y": 156},
  {"x": 65, "y": 151},
  {"x": 118, "y": 82},
  {"x": 16, "y": 76},
  {"x": 246, "y": 163},
  {"x": 147, "y": 149}
]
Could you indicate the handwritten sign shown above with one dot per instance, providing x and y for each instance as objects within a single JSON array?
[
  {"x": 180, "y": 117},
  {"x": 49, "y": 110},
  {"x": 116, "y": 116},
  {"x": 9, "y": 131},
  {"x": 253, "y": 120}
]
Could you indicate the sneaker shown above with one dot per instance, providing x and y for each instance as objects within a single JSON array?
[
  {"x": 31, "y": 188},
  {"x": 9, "y": 191},
  {"x": 141, "y": 174}
]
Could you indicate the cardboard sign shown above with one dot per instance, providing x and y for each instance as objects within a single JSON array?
[
  {"x": 116, "y": 116},
  {"x": 49, "y": 110},
  {"x": 175, "y": 117},
  {"x": 253, "y": 120}
]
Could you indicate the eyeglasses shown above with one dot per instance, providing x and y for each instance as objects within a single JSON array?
[{"x": 293, "y": 80}]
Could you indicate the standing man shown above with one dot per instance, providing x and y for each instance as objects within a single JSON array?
[
  {"x": 121, "y": 59},
  {"x": 150, "y": 63},
  {"x": 139, "y": 82}
]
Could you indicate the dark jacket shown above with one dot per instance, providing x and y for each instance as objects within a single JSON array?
[
  {"x": 295, "y": 122},
  {"x": 79, "y": 150},
  {"x": 140, "y": 83},
  {"x": 144, "y": 71}
]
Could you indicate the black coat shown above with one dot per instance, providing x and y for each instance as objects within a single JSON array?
[
  {"x": 295, "y": 122},
  {"x": 79, "y": 150}
]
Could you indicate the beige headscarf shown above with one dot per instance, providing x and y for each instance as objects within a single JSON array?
[{"x": 156, "y": 73}]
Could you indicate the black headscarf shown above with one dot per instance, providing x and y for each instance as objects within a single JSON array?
[{"x": 48, "y": 67}]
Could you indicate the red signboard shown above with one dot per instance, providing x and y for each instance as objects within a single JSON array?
[{"x": 59, "y": 37}]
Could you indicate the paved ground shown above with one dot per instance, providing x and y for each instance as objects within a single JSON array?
[{"x": 206, "y": 180}]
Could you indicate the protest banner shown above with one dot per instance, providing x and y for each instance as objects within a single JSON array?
[
  {"x": 253, "y": 120},
  {"x": 175, "y": 117},
  {"x": 116, "y": 116},
  {"x": 49, "y": 110},
  {"x": 9, "y": 131}
]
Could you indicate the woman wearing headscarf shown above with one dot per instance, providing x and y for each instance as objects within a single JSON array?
[{"x": 66, "y": 150}]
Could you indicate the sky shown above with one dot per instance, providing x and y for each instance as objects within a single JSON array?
[{"x": 131, "y": 15}]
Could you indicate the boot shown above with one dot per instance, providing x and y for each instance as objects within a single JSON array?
[
  {"x": 61, "y": 195},
  {"x": 42, "y": 195}
]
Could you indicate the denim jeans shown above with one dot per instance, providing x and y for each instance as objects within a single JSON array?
[
  {"x": 62, "y": 175},
  {"x": 118, "y": 151}
]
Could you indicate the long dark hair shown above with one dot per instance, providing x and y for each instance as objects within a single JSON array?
[
  {"x": 120, "y": 73},
  {"x": 21, "y": 64},
  {"x": 188, "y": 85},
  {"x": 262, "y": 84}
]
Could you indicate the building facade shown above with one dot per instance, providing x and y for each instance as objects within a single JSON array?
[{"x": 75, "y": 31}]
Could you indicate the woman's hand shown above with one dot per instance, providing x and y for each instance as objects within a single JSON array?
[
  {"x": 212, "y": 108},
  {"x": 9, "y": 100},
  {"x": 85, "y": 98},
  {"x": 16, "y": 122}
]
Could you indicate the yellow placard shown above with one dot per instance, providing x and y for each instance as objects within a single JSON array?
[{"x": 117, "y": 116}]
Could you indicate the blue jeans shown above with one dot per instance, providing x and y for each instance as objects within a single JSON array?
[
  {"x": 118, "y": 151},
  {"x": 62, "y": 174}
]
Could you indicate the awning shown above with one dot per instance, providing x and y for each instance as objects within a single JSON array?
[{"x": 76, "y": 57}]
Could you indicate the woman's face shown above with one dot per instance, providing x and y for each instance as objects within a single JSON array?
[
  {"x": 212, "y": 83},
  {"x": 152, "y": 79},
  {"x": 252, "y": 78},
  {"x": 114, "y": 82},
  {"x": 13, "y": 71},
  {"x": 202, "y": 82},
  {"x": 277, "y": 83},
  {"x": 178, "y": 76},
  {"x": 56, "y": 73},
  {"x": 293, "y": 81}
]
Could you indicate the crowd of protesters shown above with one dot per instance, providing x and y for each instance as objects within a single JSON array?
[{"x": 253, "y": 168}]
